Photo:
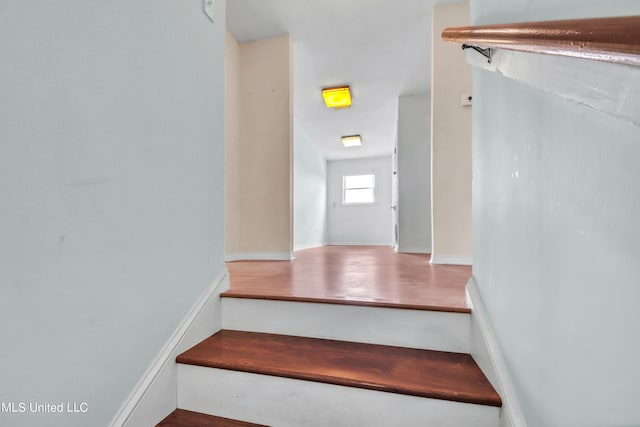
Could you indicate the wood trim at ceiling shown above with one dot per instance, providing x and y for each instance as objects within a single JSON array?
[{"x": 614, "y": 39}]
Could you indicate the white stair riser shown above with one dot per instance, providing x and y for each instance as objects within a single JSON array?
[
  {"x": 284, "y": 402},
  {"x": 433, "y": 330}
]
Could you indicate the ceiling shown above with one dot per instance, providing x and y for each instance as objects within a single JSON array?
[{"x": 380, "y": 49}]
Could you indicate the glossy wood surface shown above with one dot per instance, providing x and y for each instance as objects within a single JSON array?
[
  {"x": 425, "y": 373},
  {"x": 357, "y": 275},
  {"x": 183, "y": 418},
  {"x": 603, "y": 39}
]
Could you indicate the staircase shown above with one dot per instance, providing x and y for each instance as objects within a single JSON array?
[
  {"x": 299, "y": 363},
  {"x": 181, "y": 417}
]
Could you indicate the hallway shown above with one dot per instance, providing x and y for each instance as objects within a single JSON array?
[{"x": 354, "y": 275}]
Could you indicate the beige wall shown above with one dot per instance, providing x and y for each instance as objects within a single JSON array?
[
  {"x": 232, "y": 139},
  {"x": 259, "y": 140},
  {"x": 451, "y": 141}
]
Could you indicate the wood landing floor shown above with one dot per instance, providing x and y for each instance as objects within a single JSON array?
[{"x": 355, "y": 275}]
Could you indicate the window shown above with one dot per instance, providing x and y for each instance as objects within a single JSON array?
[{"x": 358, "y": 189}]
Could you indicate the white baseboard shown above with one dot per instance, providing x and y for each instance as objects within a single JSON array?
[
  {"x": 309, "y": 246},
  {"x": 414, "y": 249},
  {"x": 259, "y": 256},
  {"x": 451, "y": 259},
  {"x": 155, "y": 395},
  {"x": 487, "y": 354},
  {"x": 354, "y": 243}
]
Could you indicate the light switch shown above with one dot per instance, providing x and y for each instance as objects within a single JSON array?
[{"x": 207, "y": 7}]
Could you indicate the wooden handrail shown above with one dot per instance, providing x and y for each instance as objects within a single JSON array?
[{"x": 602, "y": 39}]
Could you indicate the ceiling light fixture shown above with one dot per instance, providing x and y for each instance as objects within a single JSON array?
[
  {"x": 337, "y": 97},
  {"x": 352, "y": 141}
]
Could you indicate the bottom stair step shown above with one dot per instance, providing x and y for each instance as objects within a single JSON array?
[
  {"x": 183, "y": 418},
  {"x": 424, "y": 373}
]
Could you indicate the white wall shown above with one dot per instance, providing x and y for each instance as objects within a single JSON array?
[
  {"x": 111, "y": 193},
  {"x": 451, "y": 141},
  {"x": 360, "y": 224},
  {"x": 259, "y": 173},
  {"x": 414, "y": 174},
  {"x": 556, "y": 237},
  {"x": 310, "y": 191}
]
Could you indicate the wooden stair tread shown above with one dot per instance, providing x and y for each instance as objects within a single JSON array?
[
  {"x": 424, "y": 373},
  {"x": 184, "y": 418}
]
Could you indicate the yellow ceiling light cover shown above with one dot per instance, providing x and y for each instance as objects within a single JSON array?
[
  {"x": 337, "y": 97},
  {"x": 352, "y": 141}
]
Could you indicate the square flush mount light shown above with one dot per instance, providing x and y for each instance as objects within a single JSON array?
[
  {"x": 337, "y": 97},
  {"x": 352, "y": 141}
]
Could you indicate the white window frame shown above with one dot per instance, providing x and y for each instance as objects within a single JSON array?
[{"x": 374, "y": 188}]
